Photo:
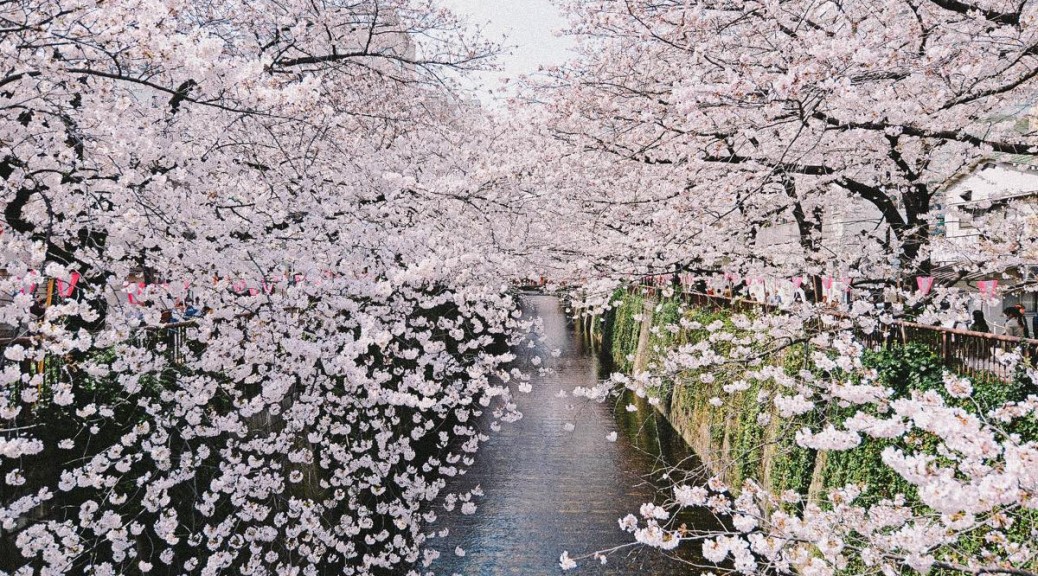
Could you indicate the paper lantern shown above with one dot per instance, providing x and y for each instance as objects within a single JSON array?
[{"x": 925, "y": 284}]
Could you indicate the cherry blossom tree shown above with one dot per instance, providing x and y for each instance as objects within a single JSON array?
[
  {"x": 257, "y": 257},
  {"x": 245, "y": 338},
  {"x": 781, "y": 138},
  {"x": 802, "y": 116}
]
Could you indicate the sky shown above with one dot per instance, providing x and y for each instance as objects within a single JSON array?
[{"x": 529, "y": 27}]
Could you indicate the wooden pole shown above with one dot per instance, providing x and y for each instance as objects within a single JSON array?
[{"x": 41, "y": 364}]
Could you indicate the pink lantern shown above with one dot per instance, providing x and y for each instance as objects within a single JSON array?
[
  {"x": 134, "y": 294},
  {"x": 987, "y": 288},
  {"x": 65, "y": 288},
  {"x": 797, "y": 281},
  {"x": 925, "y": 284},
  {"x": 827, "y": 282}
]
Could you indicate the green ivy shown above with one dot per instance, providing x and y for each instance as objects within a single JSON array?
[{"x": 625, "y": 329}]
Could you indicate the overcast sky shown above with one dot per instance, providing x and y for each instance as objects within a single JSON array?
[{"x": 530, "y": 27}]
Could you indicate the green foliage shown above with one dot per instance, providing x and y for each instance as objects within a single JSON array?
[
  {"x": 625, "y": 328},
  {"x": 733, "y": 427},
  {"x": 904, "y": 370},
  {"x": 666, "y": 315},
  {"x": 912, "y": 367}
]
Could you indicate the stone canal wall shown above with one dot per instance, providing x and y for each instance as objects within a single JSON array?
[{"x": 736, "y": 440}]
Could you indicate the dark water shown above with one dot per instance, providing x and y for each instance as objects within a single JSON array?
[{"x": 548, "y": 490}]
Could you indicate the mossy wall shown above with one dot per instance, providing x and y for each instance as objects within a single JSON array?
[{"x": 729, "y": 438}]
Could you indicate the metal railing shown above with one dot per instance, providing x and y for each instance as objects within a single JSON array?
[
  {"x": 171, "y": 339},
  {"x": 964, "y": 351}
]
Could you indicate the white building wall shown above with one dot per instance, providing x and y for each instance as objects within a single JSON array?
[{"x": 973, "y": 195}]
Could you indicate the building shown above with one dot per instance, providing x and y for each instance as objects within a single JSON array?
[{"x": 989, "y": 216}]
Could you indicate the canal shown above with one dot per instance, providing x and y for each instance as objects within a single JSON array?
[{"x": 548, "y": 489}]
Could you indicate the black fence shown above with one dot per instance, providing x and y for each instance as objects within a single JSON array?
[{"x": 170, "y": 340}]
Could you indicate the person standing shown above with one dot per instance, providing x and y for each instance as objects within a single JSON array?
[
  {"x": 1023, "y": 320},
  {"x": 979, "y": 347},
  {"x": 1016, "y": 326},
  {"x": 1029, "y": 349},
  {"x": 980, "y": 324}
]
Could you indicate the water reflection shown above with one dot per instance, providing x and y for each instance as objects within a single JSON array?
[{"x": 548, "y": 489}]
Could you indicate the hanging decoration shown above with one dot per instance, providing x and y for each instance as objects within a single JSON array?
[
  {"x": 925, "y": 284},
  {"x": 987, "y": 288},
  {"x": 65, "y": 289}
]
